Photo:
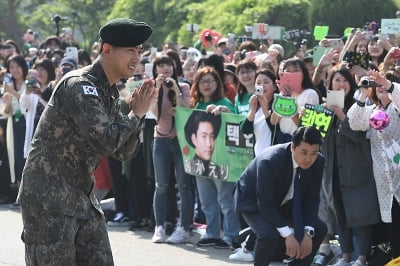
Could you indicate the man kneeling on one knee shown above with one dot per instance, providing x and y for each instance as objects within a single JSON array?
[{"x": 278, "y": 195}]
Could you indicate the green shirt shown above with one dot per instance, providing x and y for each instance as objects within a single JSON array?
[
  {"x": 242, "y": 107},
  {"x": 223, "y": 101}
]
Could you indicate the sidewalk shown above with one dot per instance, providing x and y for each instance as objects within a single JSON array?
[{"x": 129, "y": 248}]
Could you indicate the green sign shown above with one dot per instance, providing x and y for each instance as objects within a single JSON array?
[
  {"x": 347, "y": 31},
  {"x": 284, "y": 106},
  {"x": 320, "y": 32},
  {"x": 317, "y": 116},
  {"x": 231, "y": 150}
]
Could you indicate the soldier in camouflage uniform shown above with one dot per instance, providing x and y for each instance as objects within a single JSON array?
[{"x": 63, "y": 222}]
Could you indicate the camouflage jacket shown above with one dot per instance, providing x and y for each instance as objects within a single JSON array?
[{"x": 81, "y": 123}]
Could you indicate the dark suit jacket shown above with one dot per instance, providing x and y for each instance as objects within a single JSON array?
[{"x": 265, "y": 182}]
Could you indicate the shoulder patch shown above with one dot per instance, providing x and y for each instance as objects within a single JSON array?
[{"x": 90, "y": 90}]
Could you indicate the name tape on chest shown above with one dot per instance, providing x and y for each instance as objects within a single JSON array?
[{"x": 90, "y": 90}]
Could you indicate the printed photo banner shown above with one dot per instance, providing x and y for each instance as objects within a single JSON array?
[
  {"x": 319, "y": 117},
  {"x": 231, "y": 153}
]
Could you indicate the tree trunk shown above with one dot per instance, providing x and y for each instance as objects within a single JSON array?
[{"x": 9, "y": 24}]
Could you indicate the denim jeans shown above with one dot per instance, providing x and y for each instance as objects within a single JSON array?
[
  {"x": 361, "y": 234},
  {"x": 216, "y": 196},
  {"x": 166, "y": 154}
]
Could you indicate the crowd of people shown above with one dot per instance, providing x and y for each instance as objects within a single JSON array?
[{"x": 357, "y": 183}]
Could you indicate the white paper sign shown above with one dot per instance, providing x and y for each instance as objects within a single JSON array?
[
  {"x": 390, "y": 25},
  {"x": 335, "y": 98},
  {"x": 262, "y": 31}
]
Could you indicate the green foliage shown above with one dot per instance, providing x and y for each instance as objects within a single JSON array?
[
  {"x": 169, "y": 18},
  {"x": 84, "y": 17},
  {"x": 340, "y": 14}
]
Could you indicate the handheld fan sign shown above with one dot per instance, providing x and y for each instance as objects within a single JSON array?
[
  {"x": 208, "y": 35},
  {"x": 284, "y": 106}
]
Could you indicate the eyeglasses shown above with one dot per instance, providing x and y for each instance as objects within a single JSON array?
[
  {"x": 209, "y": 82},
  {"x": 248, "y": 72}
]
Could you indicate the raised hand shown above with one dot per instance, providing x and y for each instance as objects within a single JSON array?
[{"x": 143, "y": 97}]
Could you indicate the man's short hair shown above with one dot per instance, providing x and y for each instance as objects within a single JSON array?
[
  {"x": 310, "y": 135},
  {"x": 192, "y": 124}
]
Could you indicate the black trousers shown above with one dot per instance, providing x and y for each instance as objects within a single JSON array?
[
  {"x": 122, "y": 189},
  {"x": 270, "y": 245},
  {"x": 394, "y": 229}
]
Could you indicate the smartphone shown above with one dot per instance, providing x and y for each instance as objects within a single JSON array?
[
  {"x": 383, "y": 36},
  {"x": 318, "y": 52},
  {"x": 72, "y": 52},
  {"x": 251, "y": 54},
  {"x": 259, "y": 90},
  {"x": 132, "y": 85},
  {"x": 148, "y": 69},
  {"x": 368, "y": 35},
  {"x": 183, "y": 54},
  {"x": 335, "y": 98},
  {"x": 292, "y": 80},
  {"x": 7, "y": 79},
  {"x": 357, "y": 59},
  {"x": 335, "y": 44},
  {"x": 396, "y": 55}
]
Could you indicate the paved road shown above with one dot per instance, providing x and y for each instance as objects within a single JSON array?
[{"x": 129, "y": 248}]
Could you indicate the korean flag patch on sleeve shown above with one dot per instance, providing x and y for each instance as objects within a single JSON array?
[{"x": 90, "y": 90}]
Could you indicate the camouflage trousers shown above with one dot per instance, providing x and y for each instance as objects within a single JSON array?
[{"x": 57, "y": 239}]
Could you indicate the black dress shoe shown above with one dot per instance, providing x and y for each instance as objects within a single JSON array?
[
  {"x": 4, "y": 200},
  {"x": 136, "y": 225}
]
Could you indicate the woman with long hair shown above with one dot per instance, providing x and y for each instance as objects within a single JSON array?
[
  {"x": 348, "y": 196},
  {"x": 382, "y": 119},
  {"x": 13, "y": 87},
  {"x": 258, "y": 121},
  {"x": 306, "y": 94},
  {"x": 246, "y": 73},
  {"x": 34, "y": 99},
  {"x": 166, "y": 151}
]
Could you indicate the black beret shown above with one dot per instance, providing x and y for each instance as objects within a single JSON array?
[{"x": 125, "y": 32}]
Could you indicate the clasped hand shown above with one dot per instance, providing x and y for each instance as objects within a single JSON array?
[
  {"x": 142, "y": 98},
  {"x": 297, "y": 250}
]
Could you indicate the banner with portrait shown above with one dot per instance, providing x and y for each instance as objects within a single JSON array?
[{"x": 213, "y": 146}]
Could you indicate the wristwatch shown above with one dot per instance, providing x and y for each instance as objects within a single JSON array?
[{"x": 309, "y": 232}]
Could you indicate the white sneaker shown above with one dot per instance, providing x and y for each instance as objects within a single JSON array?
[
  {"x": 159, "y": 234},
  {"x": 358, "y": 263},
  {"x": 342, "y": 262},
  {"x": 179, "y": 236},
  {"x": 242, "y": 255}
]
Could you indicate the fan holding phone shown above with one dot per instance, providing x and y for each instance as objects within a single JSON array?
[
  {"x": 295, "y": 82},
  {"x": 257, "y": 118},
  {"x": 392, "y": 58}
]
